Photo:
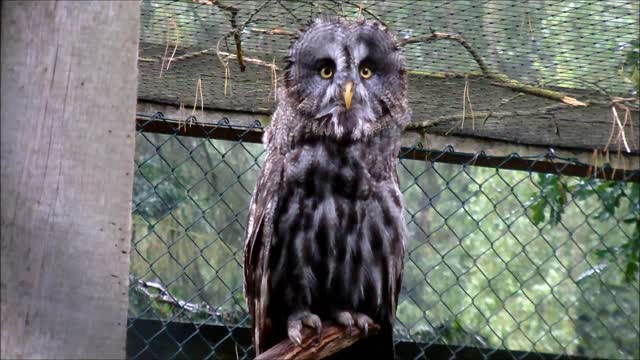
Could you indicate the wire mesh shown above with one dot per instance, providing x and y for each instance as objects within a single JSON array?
[{"x": 504, "y": 263}]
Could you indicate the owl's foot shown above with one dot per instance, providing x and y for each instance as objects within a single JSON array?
[
  {"x": 348, "y": 319},
  {"x": 295, "y": 322}
]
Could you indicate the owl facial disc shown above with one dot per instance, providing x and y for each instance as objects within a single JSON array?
[{"x": 346, "y": 79}]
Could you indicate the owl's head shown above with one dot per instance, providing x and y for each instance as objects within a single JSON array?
[{"x": 347, "y": 78}]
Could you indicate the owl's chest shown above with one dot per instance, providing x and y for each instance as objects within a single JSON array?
[{"x": 337, "y": 228}]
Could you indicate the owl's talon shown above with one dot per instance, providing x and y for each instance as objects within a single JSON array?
[
  {"x": 344, "y": 318},
  {"x": 295, "y": 322},
  {"x": 314, "y": 322},
  {"x": 362, "y": 322},
  {"x": 349, "y": 319},
  {"x": 293, "y": 330}
]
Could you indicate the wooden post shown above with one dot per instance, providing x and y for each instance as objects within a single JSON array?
[{"x": 68, "y": 95}]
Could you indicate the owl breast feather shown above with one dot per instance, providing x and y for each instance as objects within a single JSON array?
[{"x": 338, "y": 230}]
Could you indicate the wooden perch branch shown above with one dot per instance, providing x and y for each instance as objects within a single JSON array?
[
  {"x": 334, "y": 339},
  {"x": 500, "y": 79}
]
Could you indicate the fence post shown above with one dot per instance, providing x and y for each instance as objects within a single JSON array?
[{"x": 68, "y": 90}]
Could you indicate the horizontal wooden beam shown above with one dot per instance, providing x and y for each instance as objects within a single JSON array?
[
  {"x": 492, "y": 111},
  {"x": 223, "y": 130}
]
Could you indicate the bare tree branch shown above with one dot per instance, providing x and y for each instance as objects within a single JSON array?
[{"x": 501, "y": 79}]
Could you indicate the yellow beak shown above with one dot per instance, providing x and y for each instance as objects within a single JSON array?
[{"x": 347, "y": 92}]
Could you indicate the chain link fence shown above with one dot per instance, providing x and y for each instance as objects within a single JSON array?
[{"x": 506, "y": 257}]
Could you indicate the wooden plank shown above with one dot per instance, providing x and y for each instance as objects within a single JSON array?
[
  {"x": 68, "y": 103},
  {"x": 436, "y": 100}
]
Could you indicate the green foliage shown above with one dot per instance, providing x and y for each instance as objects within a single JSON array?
[
  {"x": 553, "y": 196},
  {"x": 629, "y": 69},
  {"x": 611, "y": 195}
]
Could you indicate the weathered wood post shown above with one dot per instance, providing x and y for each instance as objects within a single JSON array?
[{"x": 68, "y": 107}]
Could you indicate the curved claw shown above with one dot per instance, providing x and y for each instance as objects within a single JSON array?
[
  {"x": 344, "y": 318},
  {"x": 349, "y": 319},
  {"x": 294, "y": 328},
  {"x": 297, "y": 320},
  {"x": 313, "y": 321},
  {"x": 362, "y": 322}
]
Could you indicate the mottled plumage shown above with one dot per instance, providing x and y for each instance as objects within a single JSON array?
[{"x": 324, "y": 238}]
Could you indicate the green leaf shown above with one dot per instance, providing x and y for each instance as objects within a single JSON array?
[
  {"x": 537, "y": 211},
  {"x": 630, "y": 271},
  {"x": 635, "y": 77}
]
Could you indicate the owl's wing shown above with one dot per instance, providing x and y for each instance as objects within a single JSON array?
[
  {"x": 399, "y": 264},
  {"x": 257, "y": 242}
]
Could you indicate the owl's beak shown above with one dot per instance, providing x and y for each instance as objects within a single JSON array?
[{"x": 347, "y": 92}]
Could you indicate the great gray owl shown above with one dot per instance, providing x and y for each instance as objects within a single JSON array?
[{"x": 324, "y": 237}]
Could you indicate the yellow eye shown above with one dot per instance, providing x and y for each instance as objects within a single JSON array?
[
  {"x": 365, "y": 72},
  {"x": 326, "y": 72}
]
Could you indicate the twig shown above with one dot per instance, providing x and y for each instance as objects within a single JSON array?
[
  {"x": 275, "y": 31},
  {"x": 211, "y": 49},
  {"x": 633, "y": 137},
  {"x": 195, "y": 101},
  {"x": 505, "y": 81},
  {"x": 502, "y": 79},
  {"x": 226, "y": 78},
  {"x": 164, "y": 295},
  {"x": 175, "y": 48},
  {"x": 454, "y": 37},
  {"x": 473, "y": 114},
  {"x": 274, "y": 78},
  {"x": 238, "y": 29},
  {"x": 600, "y": 89},
  {"x": 621, "y": 129},
  {"x": 502, "y": 102},
  {"x": 361, "y": 8},
  {"x": 250, "y": 60},
  {"x": 236, "y": 38},
  {"x": 235, "y": 29},
  {"x": 465, "y": 99},
  {"x": 334, "y": 339},
  {"x": 164, "y": 56},
  {"x": 464, "y": 109},
  {"x": 225, "y": 63},
  {"x": 422, "y": 125}
]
